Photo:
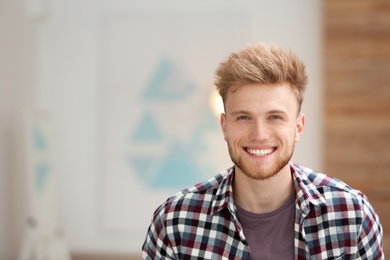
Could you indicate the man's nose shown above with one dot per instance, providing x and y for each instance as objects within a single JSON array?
[{"x": 259, "y": 131}]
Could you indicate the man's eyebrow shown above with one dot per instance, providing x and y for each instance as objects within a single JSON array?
[
  {"x": 277, "y": 111},
  {"x": 239, "y": 112},
  {"x": 244, "y": 112}
]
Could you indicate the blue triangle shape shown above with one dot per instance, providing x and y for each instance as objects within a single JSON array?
[
  {"x": 179, "y": 169},
  {"x": 142, "y": 166},
  {"x": 168, "y": 83},
  {"x": 147, "y": 129},
  {"x": 39, "y": 140},
  {"x": 42, "y": 172}
]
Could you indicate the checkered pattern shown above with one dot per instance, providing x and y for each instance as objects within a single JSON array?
[{"x": 332, "y": 221}]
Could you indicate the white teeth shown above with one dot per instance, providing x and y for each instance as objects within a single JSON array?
[{"x": 260, "y": 152}]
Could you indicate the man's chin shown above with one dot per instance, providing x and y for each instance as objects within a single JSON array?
[{"x": 261, "y": 176}]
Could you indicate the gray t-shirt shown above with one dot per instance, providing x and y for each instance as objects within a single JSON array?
[{"x": 270, "y": 235}]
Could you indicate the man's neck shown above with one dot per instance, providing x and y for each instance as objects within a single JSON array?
[{"x": 261, "y": 196}]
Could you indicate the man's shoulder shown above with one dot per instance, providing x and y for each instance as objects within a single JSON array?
[
  {"x": 332, "y": 209},
  {"x": 328, "y": 186}
]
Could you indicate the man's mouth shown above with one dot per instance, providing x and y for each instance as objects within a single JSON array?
[{"x": 260, "y": 152}]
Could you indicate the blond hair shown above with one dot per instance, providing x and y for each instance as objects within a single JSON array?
[{"x": 262, "y": 64}]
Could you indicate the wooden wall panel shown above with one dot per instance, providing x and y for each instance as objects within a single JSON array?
[{"x": 357, "y": 99}]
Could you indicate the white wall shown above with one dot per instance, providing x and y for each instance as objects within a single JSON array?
[{"x": 66, "y": 79}]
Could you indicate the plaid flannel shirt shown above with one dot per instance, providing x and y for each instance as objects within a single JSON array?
[{"x": 332, "y": 221}]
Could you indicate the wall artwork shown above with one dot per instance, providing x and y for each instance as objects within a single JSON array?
[
  {"x": 159, "y": 133},
  {"x": 44, "y": 236}
]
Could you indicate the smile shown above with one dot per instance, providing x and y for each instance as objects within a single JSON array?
[{"x": 260, "y": 152}]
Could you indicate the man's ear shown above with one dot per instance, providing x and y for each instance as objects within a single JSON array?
[
  {"x": 223, "y": 125},
  {"x": 299, "y": 126}
]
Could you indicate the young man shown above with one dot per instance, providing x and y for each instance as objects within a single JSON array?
[{"x": 264, "y": 207}]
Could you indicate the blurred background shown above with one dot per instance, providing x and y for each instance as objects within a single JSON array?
[{"x": 107, "y": 107}]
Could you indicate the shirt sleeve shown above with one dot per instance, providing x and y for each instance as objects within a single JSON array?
[
  {"x": 371, "y": 234},
  {"x": 157, "y": 244}
]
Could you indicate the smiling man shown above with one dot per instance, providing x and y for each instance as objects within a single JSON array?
[{"x": 264, "y": 207}]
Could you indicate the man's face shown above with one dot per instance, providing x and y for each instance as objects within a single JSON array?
[{"x": 261, "y": 126}]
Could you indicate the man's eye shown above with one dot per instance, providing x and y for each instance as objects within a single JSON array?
[
  {"x": 275, "y": 117},
  {"x": 243, "y": 117}
]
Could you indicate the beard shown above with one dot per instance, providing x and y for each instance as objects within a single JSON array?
[{"x": 261, "y": 173}]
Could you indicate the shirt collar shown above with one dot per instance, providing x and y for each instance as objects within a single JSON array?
[
  {"x": 307, "y": 192},
  {"x": 223, "y": 197}
]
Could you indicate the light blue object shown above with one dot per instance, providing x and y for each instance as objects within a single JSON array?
[
  {"x": 147, "y": 129},
  {"x": 41, "y": 175},
  {"x": 143, "y": 167},
  {"x": 179, "y": 168},
  {"x": 39, "y": 140},
  {"x": 168, "y": 83}
]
